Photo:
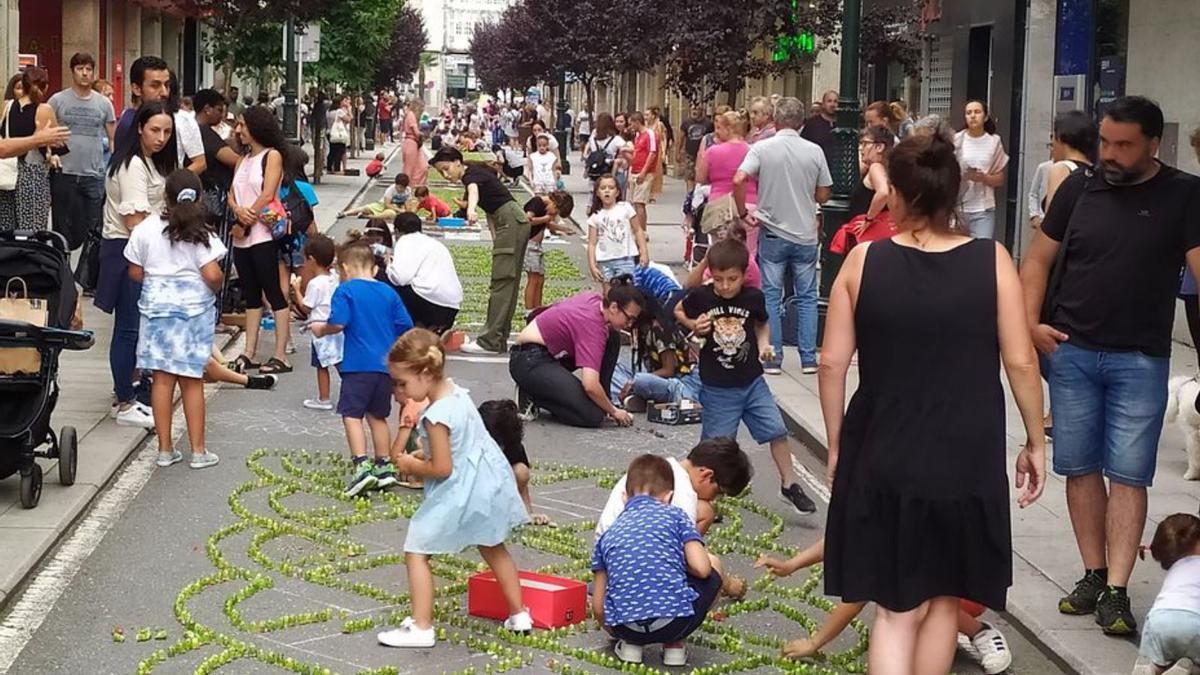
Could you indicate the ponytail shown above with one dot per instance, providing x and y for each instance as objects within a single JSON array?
[{"x": 187, "y": 221}]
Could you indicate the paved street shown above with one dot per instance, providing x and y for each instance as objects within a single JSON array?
[{"x": 258, "y": 564}]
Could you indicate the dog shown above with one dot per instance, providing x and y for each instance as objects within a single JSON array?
[{"x": 1182, "y": 393}]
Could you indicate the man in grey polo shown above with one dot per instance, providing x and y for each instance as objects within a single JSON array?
[
  {"x": 793, "y": 178},
  {"x": 78, "y": 191}
]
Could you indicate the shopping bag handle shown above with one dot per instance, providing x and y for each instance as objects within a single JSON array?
[{"x": 8, "y": 289}]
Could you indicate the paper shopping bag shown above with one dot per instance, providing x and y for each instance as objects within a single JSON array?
[{"x": 16, "y": 305}]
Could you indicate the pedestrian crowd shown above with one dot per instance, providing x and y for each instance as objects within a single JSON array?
[{"x": 167, "y": 207}]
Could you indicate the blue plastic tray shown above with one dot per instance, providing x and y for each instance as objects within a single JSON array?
[{"x": 452, "y": 222}]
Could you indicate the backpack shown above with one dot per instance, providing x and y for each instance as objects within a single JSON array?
[
  {"x": 598, "y": 162},
  {"x": 299, "y": 212}
]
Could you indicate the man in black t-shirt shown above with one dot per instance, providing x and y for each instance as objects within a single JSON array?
[
  {"x": 1104, "y": 326},
  {"x": 819, "y": 127},
  {"x": 694, "y": 129}
]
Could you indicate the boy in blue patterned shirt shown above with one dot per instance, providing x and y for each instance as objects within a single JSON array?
[{"x": 654, "y": 580}]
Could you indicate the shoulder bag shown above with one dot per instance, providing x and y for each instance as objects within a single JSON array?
[
  {"x": 1060, "y": 258},
  {"x": 9, "y": 166}
]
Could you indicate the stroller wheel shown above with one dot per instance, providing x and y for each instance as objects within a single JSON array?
[
  {"x": 31, "y": 487},
  {"x": 68, "y": 455}
]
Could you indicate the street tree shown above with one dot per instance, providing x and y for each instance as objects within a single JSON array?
[
  {"x": 500, "y": 51},
  {"x": 893, "y": 34},
  {"x": 403, "y": 57},
  {"x": 718, "y": 45},
  {"x": 352, "y": 43}
]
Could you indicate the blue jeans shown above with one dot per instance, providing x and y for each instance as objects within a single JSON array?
[
  {"x": 122, "y": 350},
  {"x": 775, "y": 257},
  {"x": 654, "y": 388},
  {"x": 1170, "y": 635},
  {"x": 725, "y": 407},
  {"x": 1108, "y": 413},
  {"x": 982, "y": 224}
]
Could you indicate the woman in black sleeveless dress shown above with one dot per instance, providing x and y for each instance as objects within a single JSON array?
[{"x": 919, "y": 516}]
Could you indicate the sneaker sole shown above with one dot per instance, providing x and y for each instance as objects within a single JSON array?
[
  {"x": 160, "y": 464},
  {"x": 319, "y": 407},
  {"x": 787, "y": 501},
  {"x": 125, "y": 423},
  {"x": 381, "y": 483},
  {"x": 1118, "y": 627},
  {"x": 360, "y": 486},
  {"x": 676, "y": 662},
  {"x": 204, "y": 465}
]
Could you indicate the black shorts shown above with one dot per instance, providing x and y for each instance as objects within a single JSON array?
[
  {"x": 514, "y": 171},
  {"x": 365, "y": 394},
  {"x": 663, "y": 631}
]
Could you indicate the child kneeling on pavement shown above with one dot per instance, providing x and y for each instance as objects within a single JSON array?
[
  {"x": 1172, "y": 630},
  {"x": 654, "y": 580}
]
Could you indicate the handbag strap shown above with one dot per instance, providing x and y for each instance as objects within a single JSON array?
[
  {"x": 4, "y": 124},
  {"x": 1060, "y": 257}
]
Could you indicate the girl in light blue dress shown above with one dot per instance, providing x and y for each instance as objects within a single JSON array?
[
  {"x": 471, "y": 496},
  {"x": 176, "y": 258}
]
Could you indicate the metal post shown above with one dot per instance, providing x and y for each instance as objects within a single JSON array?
[
  {"x": 290, "y": 119},
  {"x": 845, "y": 144},
  {"x": 563, "y": 125}
]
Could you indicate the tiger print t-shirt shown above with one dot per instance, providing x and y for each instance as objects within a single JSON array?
[{"x": 729, "y": 356}]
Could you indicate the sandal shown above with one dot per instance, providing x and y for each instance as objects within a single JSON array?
[
  {"x": 243, "y": 363},
  {"x": 274, "y": 366}
]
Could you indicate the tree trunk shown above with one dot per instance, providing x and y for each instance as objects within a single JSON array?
[
  {"x": 421, "y": 84},
  {"x": 732, "y": 87},
  {"x": 589, "y": 92}
]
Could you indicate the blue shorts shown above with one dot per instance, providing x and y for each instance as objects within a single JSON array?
[
  {"x": 753, "y": 404},
  {"x": 1170, "y": 635},
  {"x": 1108, "y": 413},
  {"x": 365, "y": 394},
  {"x": 611, "y": 269}
]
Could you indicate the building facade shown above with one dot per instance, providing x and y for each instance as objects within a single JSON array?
[
  {"x": 116, "y": 32},
  {"x": 450, "y": 25}
]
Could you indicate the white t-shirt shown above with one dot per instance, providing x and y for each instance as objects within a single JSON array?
[
  {"x": 610, "y": 149},
  {"x": 1181, "y": 588},
  {"x": 684, "y": 497},
  {"x": 977, "y": 153},
  {"x": 585, "y": 123},
  {"x": 514, "y": 157},
  {"x": 319, "y": 294},
  {"x": 543, "y": 171},
  {"x": 393, "y": 198},
  {"x": 188, "y": 142},
  {"x": 150, "y": 248},
  {"x": 614, "y": 232},
  {"x": 424, "y": 263}
]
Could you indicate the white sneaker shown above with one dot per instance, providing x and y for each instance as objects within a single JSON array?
[
  {"x": 520, "y": 622},
  {"x": 408, "y": 636},
  {"x": 674, "y": 654},
  {"x": 966, "y": 647},
  {"x": 291, "y": 346},
  {"x": 136, "y": 415},
  {"x": 627, "y": 652},
  {"x": 168, "y": 458},
  {"x": 994, "y": 654},
  {"x": 204, "y": 460},
  {"x": 470, "y": 346},
  {"x": 317, "y": 404},
  {"x": 809, "y": 370},
  {"x": 772, "y": 370}
]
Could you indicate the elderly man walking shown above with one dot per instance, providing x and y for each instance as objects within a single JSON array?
[{"x": 793, "y": 177}]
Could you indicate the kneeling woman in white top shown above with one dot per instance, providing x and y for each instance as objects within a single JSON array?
[
  {"x": 422, "y": 270},
  {"x": 176, "y": 258}
]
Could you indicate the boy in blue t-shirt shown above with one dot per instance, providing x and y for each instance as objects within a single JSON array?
[
  {"x": 372, "y": 316},
  {"x": 654, "y": 580}
]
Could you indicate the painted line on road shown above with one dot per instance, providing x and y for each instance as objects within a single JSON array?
[{"x": 41, "y": 594}]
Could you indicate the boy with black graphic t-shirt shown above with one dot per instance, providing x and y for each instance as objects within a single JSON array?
[{"x": 731, "y": 318}]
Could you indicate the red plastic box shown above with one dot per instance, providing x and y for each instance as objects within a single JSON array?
[{"x": 553, "y": 602}]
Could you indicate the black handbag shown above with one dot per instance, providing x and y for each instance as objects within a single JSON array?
[{"x": 87, "y": 270}]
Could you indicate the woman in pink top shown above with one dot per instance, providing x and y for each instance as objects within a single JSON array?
[
  {"x": 576, "y": 333},
  {"x": 415, "y": 164},
  {"x": 255, "y": 185},
  {"x": 721, "y": 163}
]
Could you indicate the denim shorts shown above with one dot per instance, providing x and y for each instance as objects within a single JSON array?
[
  {"x": 1170, "y": 635},
  {"x": 611, "y": 269},
  {"x": 365, "y": 394},
  {"x": 1108, "y": 413},
  {"x": 753, "y": 404}
]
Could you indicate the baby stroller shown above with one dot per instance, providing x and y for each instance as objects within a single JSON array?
[{"x": 35, "y": 266}]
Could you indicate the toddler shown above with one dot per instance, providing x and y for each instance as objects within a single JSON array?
[
  {"x": 371, "y": 316},
  {"x": 375, "y": 166},
  {"x": 470, "y": 496},
  {"x": 176, "y": 258},
  {"x": 615, "y": 245},
  {"x": 1172, "y": 630},
  {"x": 511, "y": 158},
  {"x": 503, "y": 422},
  {"x": 407, "y": 440},
  {"x": 654, "y": 580},
  {"x": 426, "y": 201},
  {"x": 544, "y": 168},
  {"x": 319, "y": 253}
]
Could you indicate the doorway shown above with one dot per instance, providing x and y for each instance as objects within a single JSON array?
[{"x": 979, "y": 64}]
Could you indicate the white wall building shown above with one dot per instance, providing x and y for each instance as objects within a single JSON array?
[{"x": 450, "y": 24}]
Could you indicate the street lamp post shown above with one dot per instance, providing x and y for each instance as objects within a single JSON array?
[
  {"x": 291, "y": 120},
  {"x": 845, "y": 147},
  {"x": 562, "y": 124}
]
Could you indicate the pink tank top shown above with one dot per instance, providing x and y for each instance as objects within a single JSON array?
[
  {"x": 723, "y": 162},
  {"x": 247, "y": 186}
]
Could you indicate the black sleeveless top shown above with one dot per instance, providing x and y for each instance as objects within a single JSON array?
[{"x": 860, "y": 198}]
